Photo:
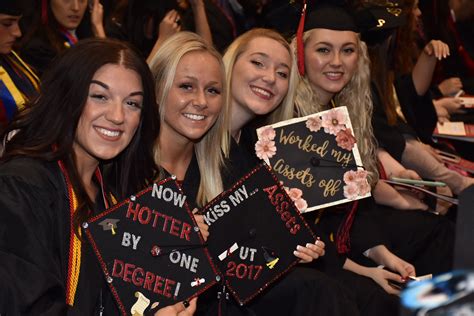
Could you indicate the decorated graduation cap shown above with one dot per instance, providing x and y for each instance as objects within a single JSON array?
[
  {"x": 11, "y": 7},
  {"x": 254, "y": 227},
  {"x": 150, "y": 250},
  {"x": 317, "y": 155}
]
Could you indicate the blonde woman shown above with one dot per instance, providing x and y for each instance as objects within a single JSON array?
[
  {"x": 189, "y": 78},
  {"x": 335, "y": 72}
]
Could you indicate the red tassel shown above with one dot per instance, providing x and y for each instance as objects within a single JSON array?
[
  {"x": 343, "y": 242},
  {"x": 44, "y": 12},
  {"x": 299, "y": 41}
]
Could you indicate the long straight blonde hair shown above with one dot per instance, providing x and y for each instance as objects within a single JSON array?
[
  {"x": 356, "y": 95},
  {"x": 285, "y": 109},
  {"x": 209, "y": 156}
]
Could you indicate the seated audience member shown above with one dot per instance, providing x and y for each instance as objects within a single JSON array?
[
  {"x": 18, "y": 83},
  {"x": 54, "y": 30}
]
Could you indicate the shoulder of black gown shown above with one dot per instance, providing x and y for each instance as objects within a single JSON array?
[{"x": 33, "y": 238}]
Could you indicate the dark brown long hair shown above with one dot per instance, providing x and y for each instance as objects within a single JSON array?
[{"x": 46, "y": 129}]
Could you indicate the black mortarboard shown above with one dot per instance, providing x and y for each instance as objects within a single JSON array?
[
  {"x": 330, "y": 17},
  {"x": 378, "y": 22},
  {"x": 254, "y": 227},
  {"x": 324, "y": 15},
  {"x": 318, "y": 155},
  {"x": 156, "y": 256},
  {"x": 11, "y": 7}
]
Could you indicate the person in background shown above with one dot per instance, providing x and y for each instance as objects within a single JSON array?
[
  {"x": 404, "y": 115},
  {"x": 18, "y": 82},
  {"x": 55, "y": 29}
]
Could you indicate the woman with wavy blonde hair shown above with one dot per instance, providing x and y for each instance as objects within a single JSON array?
[
  {"x": 355, "y": 95},
  {"x": 334, "y": 65},
  {"x": 189, "y": 77}
]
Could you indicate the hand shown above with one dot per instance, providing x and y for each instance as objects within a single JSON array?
[
  {"x": 446, "y": 106},
  {"x": 381, "y": 277},
  {"x": 399, "y": 265},
  {"x": 178, "y": 309},
  {"x": 450, "y": 86},
  {"x": 310, "y": 252},
  {"x": 169, "y": 25},
  {"x": 203, "y": 227},
  {"x": 97, "y": 16},
  {"x": 437, "y": 49}
]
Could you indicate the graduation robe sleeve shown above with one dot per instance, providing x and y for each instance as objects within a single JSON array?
[
  {"x": 419, "y": 111},
  {"x": 31, "y": 226}
]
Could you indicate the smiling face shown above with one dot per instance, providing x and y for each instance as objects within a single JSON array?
[
  {"x": 9, "y": 32},
  {"x": 260, "y": 77},
  {"x": 330, "y": 61},
  {"x": 111, "y": 114},
  {"x": 69, "y": 13},
  {"x": 194, "y": 100}
]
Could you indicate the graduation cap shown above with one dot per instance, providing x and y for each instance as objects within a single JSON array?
[
  {"x": 150, "y": 250},
  {"x": 254, "y": 227},
  {"x": 378, "y": 22},
  {"x": 374, "y": 22},
  {"x": 316, "y": 158},
  {"x": 333, "y": 15},
  {"x": 11, "y": 7}
]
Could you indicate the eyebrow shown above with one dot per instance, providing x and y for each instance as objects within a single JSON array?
[
  {"x": 267, "y": 56},
  {"x": 105, "y": 86},
  {"x": 330, "y": 44},
  {"x": 196, "y": 79}
]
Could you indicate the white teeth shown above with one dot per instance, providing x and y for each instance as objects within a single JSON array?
[
  {"x": 194, "y": 117},
  {"x": 107, "y": 132},
  {"x": 261, "y": 91},
  {"x": 333, "y": 74}
]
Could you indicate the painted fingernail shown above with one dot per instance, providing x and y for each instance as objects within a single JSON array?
[
  {"x": 299, "y": 247},
  {"x": 308, "y": 245},
  {"x": 296, "y": 253}
]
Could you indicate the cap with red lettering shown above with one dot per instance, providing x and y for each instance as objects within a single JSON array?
[
  {"x": 150, "y": 250},
  {"x": 254, "y": 227}
]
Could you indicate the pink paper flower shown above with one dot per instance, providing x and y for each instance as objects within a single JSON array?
[
  {"x": 363, "y": 187},
  {"x": 351, "y": 190},
  {"x": 314, "y": 123},
  {"x": 301, "y": 205},
  {"x": 265, "y": 149},
  {"x": 267, "y": 133},
  {"x": 350, "y": 177},
  {"x": 345, "y": 139},
  {"x": 295, "y": 193},
  {"x": 333, "y": 121},
  {"x": 361, "y": 175}
]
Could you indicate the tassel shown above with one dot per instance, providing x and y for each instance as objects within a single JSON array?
[
  {"x": 342, "y": 238},
  {"x": 299, "y": 41},
  {"x": 44, "y": 12}
]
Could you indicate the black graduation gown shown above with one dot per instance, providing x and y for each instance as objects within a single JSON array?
[
  {"x": 370, "y": 298},
  {"x": 34, "y": 246},
  {"x": 303, "y": 291},
  {"x": 418, "y": 111}
]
